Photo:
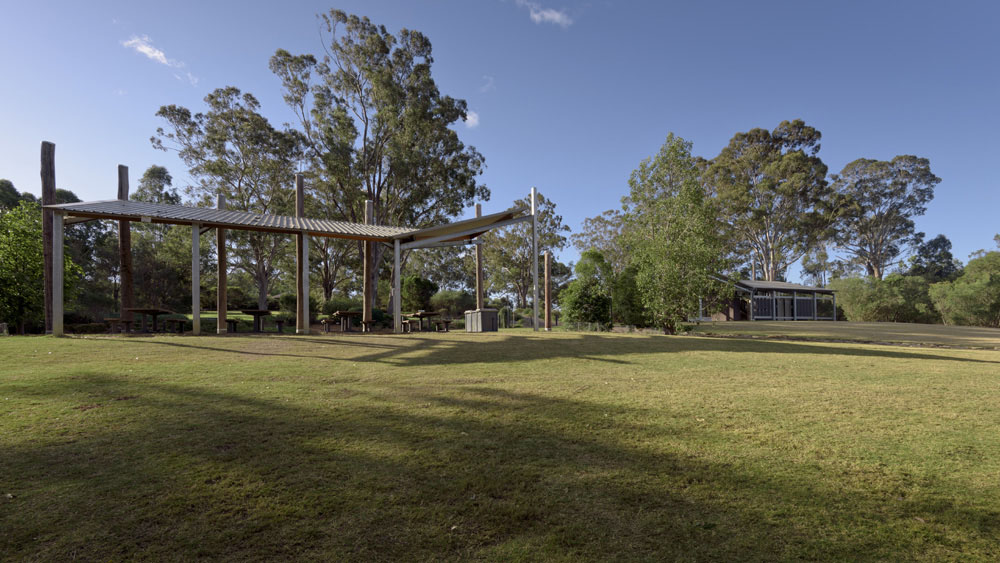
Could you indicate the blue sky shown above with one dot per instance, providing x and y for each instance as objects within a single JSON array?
[{"x": 569, "y": 96}]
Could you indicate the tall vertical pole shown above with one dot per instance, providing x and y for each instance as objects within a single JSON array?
[
  {"x": 397, "y": 306},
  {"x": 48, "y": 173},
  {"x": 222, "y": 297},
  {"x": 548, "y": 291},
  {"x": 195, "y": 279},
  {"x": 534, "y": 257},
  {"x": 480, "y": 296},
  {"x": 369, "y": 266},
  {"x": 126, "y": 289},
  {"x": 815, "y": 312},
  {"x": 301, "y": 261},
  {"x": 57, "y": 274},
  {"x": 305, "y": 282}
]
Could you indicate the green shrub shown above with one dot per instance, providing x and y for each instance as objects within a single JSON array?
[
  {"x": 454, "y": 303},
  {"x": 287, "y": 303},
  {"x": 585, "y": 301},
  {"x": 974, "y": 298},
  {"x": 341, "y": 303},
  {"x": 897, "y": 298}
]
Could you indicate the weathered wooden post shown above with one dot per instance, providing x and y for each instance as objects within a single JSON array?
[
  {"x": 548, "y": 291},
  {"x": 48, "y": 173},
  {"x": 126, "y": 291},
  {"x": 479, "y": 267},
  {"x": 221, "y": 296},
  {"x": 57, "y": 273},
  {"x": 301, "y": 262},
  {"x": 196, "y": 278},
  {"x": 534, "y": 258},
  {"x": 369, "y": 266},
  {"x": 397, "y": 315}
]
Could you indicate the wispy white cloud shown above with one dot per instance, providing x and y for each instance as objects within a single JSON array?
[
  {"x": 540, "y": 14},
  {"x": 488, "y": 84},
  {"x": 471, "y": 119},
  {"x": 144, "y": 46}
]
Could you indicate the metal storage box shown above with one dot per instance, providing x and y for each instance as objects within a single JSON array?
[{"x": 482, "y": 320}]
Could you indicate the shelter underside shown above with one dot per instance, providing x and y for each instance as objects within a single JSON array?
[{"x": 201, "y": 219}]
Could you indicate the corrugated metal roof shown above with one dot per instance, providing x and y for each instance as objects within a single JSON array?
[
  {"x": 209, "y": 217},
  {"x": 780, "y": 286}
]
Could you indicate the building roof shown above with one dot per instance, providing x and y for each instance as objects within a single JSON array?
[
  {"x": 761, "y": 285},
  {"x": 210, "y": 217}
]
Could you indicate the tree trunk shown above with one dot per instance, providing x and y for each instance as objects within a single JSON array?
[{"x": 261, "y": 290}]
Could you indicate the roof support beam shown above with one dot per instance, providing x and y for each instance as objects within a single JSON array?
[
  {"x": 195, "y": 279},
  {"x": 126, "y": 291},
  {"x": 48, "y": 173},
  {"x": 222, "y": 297},
  {"x": 397, "y": 298},
  {"x": 57, "y": 274},
  {"x": 534, "y": 257},
  {"x": 301, "y": 263},
  {"x": 480, "y": 302}
]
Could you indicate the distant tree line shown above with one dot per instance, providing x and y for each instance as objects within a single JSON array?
[{"x": 688, "y": 226}]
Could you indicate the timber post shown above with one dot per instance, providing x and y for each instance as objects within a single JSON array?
[
  {"x": 196, "y": 278},
  {"x": 548, "y": 291},
  {"x": 480, "y": 300},
  {"x": 534, "y": 258},
  {"x": 57, "y": 273},
  {"x": 126, "y": 291},
  {"x": 397, "y": 299},
  {"x": 301, "y": 262},
  {"x": 222, "y": 297},
  {"x": 48, "y": 173},
  {"x": 369, "y": 259}
]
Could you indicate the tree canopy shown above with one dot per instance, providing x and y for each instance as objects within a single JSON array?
[
  {"x": 232, "y": 149},
  {"x": 507, "y": 251},
  {"x": 933, "y": 260},
  {"x": 877, "y": 203},
  {"x": 673, "y": 236},
  {"x": 22, "y": 298},
  {"x": 770, "y": 187},
  {"x": 376, "y": 127},
  {"x": 974, "y": 297}
]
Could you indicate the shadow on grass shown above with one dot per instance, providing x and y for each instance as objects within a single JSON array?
[
  {"x": 403, "y": 351},
  {"x": 175, "y": 472}
]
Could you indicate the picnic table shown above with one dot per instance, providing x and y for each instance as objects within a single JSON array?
[
  {"x": 421, "y": 315},
  {"x": 345, "y": 319},
  {"x": 256, "y": 314},
  {"x": 152, "y": 312}
]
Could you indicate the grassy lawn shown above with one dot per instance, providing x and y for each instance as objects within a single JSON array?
[
  {"x": 496, "y": 447},
  {"x": 905, "y": 333}
]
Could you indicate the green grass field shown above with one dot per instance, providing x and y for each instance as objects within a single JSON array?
[
  {"x": 509, "y": 446},
  {"x": 902, "y": 333}
]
